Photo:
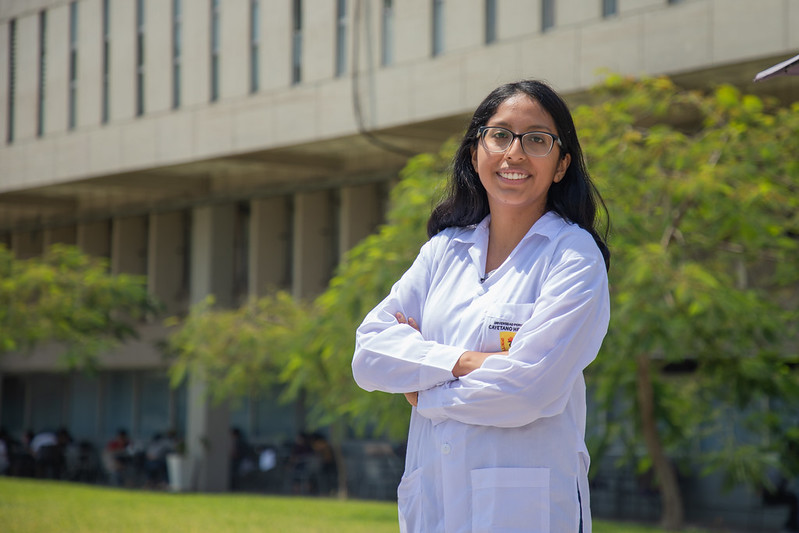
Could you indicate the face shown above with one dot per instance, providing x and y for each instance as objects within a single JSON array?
[{"x": 516, "y": 183}]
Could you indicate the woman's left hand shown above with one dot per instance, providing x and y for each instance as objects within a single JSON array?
[{"x": 412, "y": 397}]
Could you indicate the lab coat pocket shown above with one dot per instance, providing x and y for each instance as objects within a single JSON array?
[
  {"x": 409, "y": 500},
  {"x": 510, "y": 500},
  {"x": 502, "y": 321}
]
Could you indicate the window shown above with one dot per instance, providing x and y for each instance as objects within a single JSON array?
[
  {"x": 608, "y": 8},
  {"x": 214, "y": 50},
  {"x": 341, "y": 37},
  {"x": 255, "y": 39},
  {"x": 491, "y": 21},
  {"x": 42, "y": 73},
  {"x": 387, "y": 49},
  {"x": 12, "y": 67},
  {"x": 296, "y": 42},
  {"x": 547, "y": 14},
  {"x": 73, "y": 65},
  {"x": 176, "y": 30},
  {"x": 139, "y": 57},
  {"x": 438, "y": 27},
  {"x": 106, "y": 60}
]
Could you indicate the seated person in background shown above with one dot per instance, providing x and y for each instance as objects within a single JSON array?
[
  {"x": 155, "y": 458},
  {"x": 117, "y": 458}
]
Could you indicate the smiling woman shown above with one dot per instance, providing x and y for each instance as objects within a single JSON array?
[{"x": 488, "y": 333}]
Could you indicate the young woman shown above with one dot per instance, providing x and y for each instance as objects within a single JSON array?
[{"x": 488, "y": 333}]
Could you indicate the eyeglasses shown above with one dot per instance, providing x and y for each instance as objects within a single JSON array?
[{"x": 535, "y": 143}]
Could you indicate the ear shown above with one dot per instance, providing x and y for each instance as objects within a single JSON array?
[
  {"x": 474, "y": 156},
  {"x": 563, "y": 166}
]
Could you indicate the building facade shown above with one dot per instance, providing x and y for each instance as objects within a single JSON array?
[{"x": 228, "y": 147}]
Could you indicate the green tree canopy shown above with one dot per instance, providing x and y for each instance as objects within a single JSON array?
[
  {"x": 702, "y": 194},
  {"x": 70, "y": 298}
]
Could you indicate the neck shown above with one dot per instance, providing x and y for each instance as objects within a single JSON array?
[{"x": 504, "y": 233}]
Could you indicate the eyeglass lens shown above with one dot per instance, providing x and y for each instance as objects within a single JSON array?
[{"x": 497, "y": 139}]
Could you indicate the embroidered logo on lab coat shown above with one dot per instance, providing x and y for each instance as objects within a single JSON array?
[{"x": 507, "y": 330}]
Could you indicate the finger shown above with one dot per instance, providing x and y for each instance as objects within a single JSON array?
[
  {"x": 412, "y": 397},
  {"x": 412, "y": 323},
  {"x": 400, "y": 318}
]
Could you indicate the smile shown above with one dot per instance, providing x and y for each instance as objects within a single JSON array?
[{"x": 513, "y": 176}]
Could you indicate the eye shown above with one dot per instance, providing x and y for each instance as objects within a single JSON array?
[
  {"x": 496, "y": 133},
  {"x": 536, "y": 138}
]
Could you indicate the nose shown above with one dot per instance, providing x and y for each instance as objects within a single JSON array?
[{"x": 515, "y": 150}]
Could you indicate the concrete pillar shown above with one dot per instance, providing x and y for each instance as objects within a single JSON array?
[
  {"x": 208, "y": 424},
  {"x": 94, "y": 238},
  {"x": 315, "y": 243},
  {"x": 166, "y": 258},
  {"x": 129, "y": 245},
  {"x": 64, "y": 235},
  {"x": 212, "y": 230},
  {"x": 270, "y": 234},
  {"x": 360, "y": 213},
  {"x": 27, "y": 244}
]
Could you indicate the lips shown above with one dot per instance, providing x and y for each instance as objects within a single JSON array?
[{"x": 513, "y": 176}]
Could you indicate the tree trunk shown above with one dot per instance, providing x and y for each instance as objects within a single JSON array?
[
  {"x": 672, "y": 518},
  {"x": 341, "y": 464}
]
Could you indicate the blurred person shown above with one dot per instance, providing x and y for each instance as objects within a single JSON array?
[
  {"x": 5, "y": 445},
  {"x": 117, "y": 458},
  {"x": 155, "y": 458}
]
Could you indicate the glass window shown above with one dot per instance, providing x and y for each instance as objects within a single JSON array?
[
  {"x": 547, "y": 14},
  {"x": 176, "y": 37},
  {"x": 139, "y": 57},
  {"x": 12, "y": 78},
  {"x": 84, "y": 395},
  {"x": 341, "y": 37},
  {"x": 296, "y": 42},
  {"x": 608, "y": 8},
  {"x": 491, "y": 21},
  {"x": 117, "y": 404},
  {"x": 387, "y": 49},
  {"x": 12, "y": 404},
  {"x": 438, "y": 27},
  {"x": 154, "y": 402},
  {"x": 271, "y": 420},
  {"x": 214, "y": 50},
  {"x": 42, "y": 73},
  {"x": 73, "y": 65},
  {"x": 106, "y": 60},
  {"x": 46, "y": 402},
  {"x": 255, "y": 40}
]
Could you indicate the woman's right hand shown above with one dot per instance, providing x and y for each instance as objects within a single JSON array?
[{"x": 467, "y": 362}]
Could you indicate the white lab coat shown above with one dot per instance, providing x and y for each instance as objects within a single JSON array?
[{"x": 501, "y": 449}]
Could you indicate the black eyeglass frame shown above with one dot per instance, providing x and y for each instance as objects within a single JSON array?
[{"x": 482, "y": 130}]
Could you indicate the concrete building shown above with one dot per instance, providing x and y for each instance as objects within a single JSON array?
[{"x": 228, "y": 146}]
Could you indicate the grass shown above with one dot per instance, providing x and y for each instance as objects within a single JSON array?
[{"x": 33, "y": 506}]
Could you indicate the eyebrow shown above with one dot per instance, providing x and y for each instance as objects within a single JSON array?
[{"x": 533, "y": 127}]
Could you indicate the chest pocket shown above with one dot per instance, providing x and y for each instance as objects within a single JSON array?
[{"x": 501, "y": 323}]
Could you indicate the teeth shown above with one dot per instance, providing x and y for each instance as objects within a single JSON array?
[{"x": 512, "y": 175}]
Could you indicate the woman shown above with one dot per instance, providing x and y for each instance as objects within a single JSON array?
[{"x": 488, "y": 333}]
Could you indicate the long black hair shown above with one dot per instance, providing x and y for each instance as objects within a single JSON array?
[{"x": 575, "y": 198}]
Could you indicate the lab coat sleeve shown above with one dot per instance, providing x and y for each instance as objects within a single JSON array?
[
  {"x": 394, "y": 357},
  {"x": 548, "y": 353}
]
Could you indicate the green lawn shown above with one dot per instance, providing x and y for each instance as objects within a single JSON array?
[{"x": 38, "y": 506}]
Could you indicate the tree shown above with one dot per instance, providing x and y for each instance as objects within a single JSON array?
[
  {"x": 702, "y": 195},
  {"x": 70, "y": 298},
  {"x": 702, "y": 191},
  {"x": 306, "y": 347}
]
